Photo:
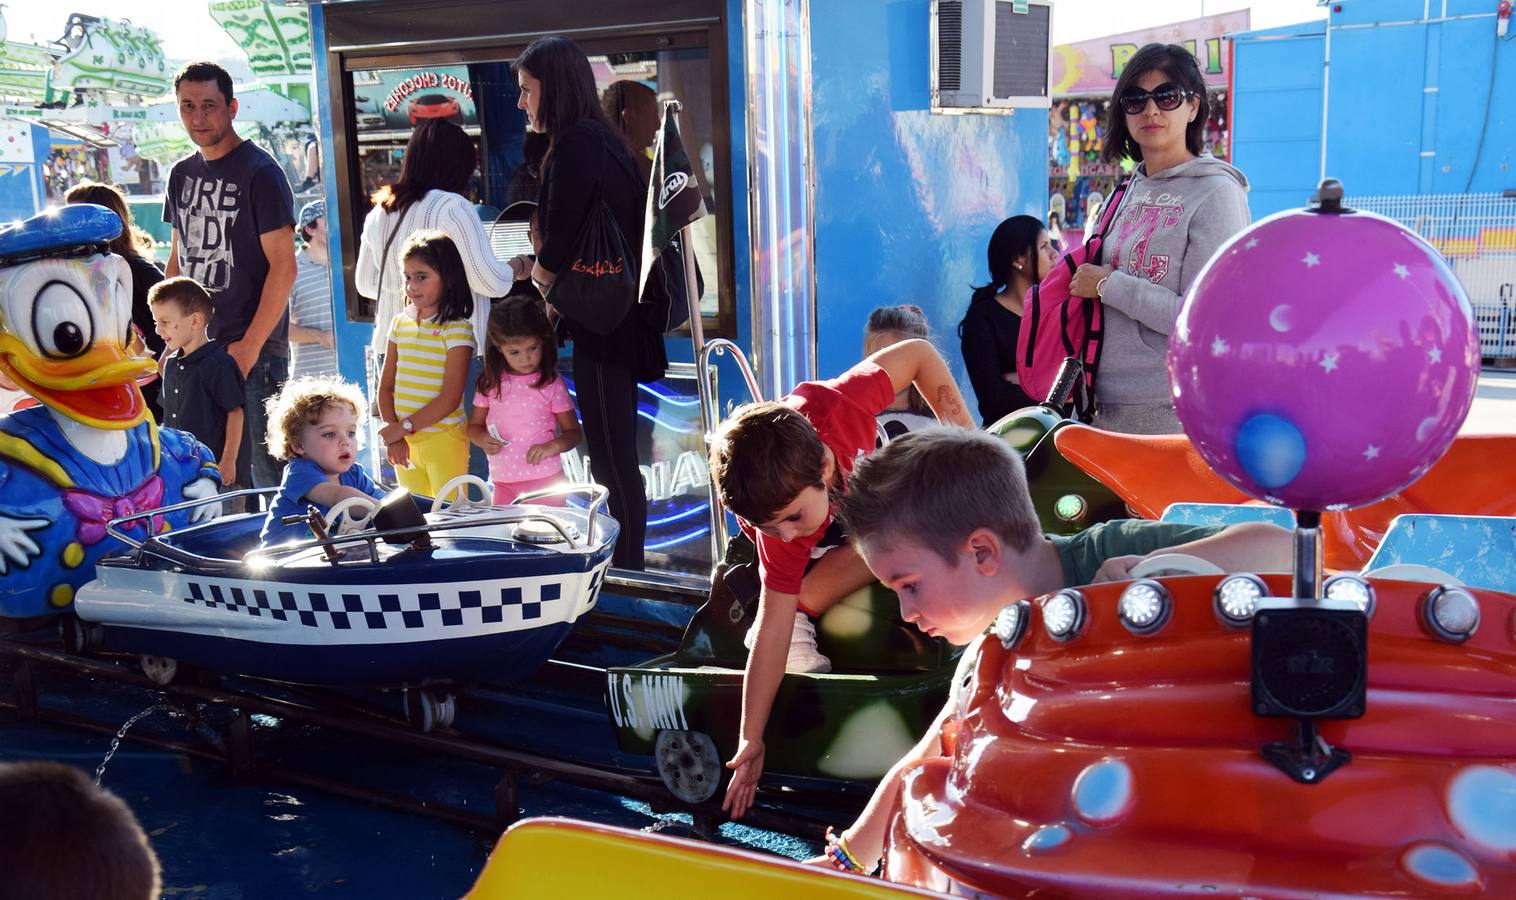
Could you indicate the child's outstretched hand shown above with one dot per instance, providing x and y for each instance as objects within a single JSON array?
[
  {"x": 538, "y": 452},
  {"x": 747, "y": 768}
]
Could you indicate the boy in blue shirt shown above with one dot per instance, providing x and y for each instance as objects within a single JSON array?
[{"x": 313, "y": 423}]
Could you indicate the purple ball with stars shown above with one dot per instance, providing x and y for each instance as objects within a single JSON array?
[{"x": 1324, "y": 359}]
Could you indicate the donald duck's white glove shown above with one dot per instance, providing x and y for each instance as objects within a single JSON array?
[
  {"x": 16, "y": 546},
  {"x": 199, "y": 489}
]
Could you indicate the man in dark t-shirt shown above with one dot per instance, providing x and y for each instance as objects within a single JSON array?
[{"x": 233, "y": 222}]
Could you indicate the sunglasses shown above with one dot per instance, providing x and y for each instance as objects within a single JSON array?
[{"x": 1167, "y": 96}]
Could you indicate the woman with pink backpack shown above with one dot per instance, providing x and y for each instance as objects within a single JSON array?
[{"x": 1177, "y": 209}]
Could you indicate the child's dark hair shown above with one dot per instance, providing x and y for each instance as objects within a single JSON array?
[
  {"x": 518, "y": 317},
  {"x": 184, "y": 292},
  {"x": 763, "y": 457},
  {"x": 439, "y": 252},
  {"x": 908, "y": 321},
  {"x": 69, "y": 838},
  {"x": 1014, "y": 239}
]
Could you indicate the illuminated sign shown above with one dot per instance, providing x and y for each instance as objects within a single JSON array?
[
  {"x": 397, "y": 99},
  {"x": 671, "y": 455}
]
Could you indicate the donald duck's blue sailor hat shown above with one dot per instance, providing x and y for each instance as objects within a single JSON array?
[{"x": 77, "y": 229}]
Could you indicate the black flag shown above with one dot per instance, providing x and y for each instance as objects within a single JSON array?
[{"x": 673, "y": 202}]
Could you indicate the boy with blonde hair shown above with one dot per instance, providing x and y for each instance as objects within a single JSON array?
[
  {"x": 943, "y": 517},
  {"x": 314, "y": 424}
]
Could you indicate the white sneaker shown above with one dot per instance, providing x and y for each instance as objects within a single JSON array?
[{"x": 804, "y": 657}]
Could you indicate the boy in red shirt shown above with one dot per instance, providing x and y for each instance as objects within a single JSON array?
[{"x": 781, "y": 467}]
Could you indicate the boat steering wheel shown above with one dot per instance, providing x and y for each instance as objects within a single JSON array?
[
  {"x": 455, "y": 495},
  {"x": 350, "y": 514},
  {"x": 1174, "y": 564}
]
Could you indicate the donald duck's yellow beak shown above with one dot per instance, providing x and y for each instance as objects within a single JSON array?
[{"x": 97, "y": 388}]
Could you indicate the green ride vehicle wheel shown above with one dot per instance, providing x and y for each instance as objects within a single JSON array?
[{"x": 689, "y": 765}]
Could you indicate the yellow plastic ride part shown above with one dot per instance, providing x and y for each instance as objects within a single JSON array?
[{"x": 550, "y": 858}]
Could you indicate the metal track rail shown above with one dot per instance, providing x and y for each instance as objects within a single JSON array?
[{"x": 514, "y": 764}]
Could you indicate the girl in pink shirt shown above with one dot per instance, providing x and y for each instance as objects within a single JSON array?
[{"x": 522, "y": 417}]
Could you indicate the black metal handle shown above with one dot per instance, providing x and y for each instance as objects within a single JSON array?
[{"x": 1063, "y": 385}]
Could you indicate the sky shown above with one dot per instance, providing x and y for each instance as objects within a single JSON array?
[
  {"x": 1080, "y": 20},
  {"x": 185, "y": 26},
  {"x": 187, "y": 29}
]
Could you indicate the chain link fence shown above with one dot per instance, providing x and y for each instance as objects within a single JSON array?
[{"x": 1476, "y": 234}]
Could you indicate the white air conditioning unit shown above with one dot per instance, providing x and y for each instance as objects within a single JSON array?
[{"x": 991, "y": 56}]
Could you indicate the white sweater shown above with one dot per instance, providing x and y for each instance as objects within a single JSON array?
[{"x": 449, "y": 213}]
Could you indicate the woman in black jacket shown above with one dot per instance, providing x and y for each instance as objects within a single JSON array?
[
  {"x": 1020, "y": 254},
  {"x": 588, "y": 158}
]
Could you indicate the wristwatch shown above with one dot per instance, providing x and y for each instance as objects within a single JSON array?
[{"x": 407, "y": 425}]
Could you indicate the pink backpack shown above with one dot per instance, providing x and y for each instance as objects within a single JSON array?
[{"x": 1056, "y": 325}]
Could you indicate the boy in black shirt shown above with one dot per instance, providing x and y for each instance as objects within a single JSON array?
[{"x": 202, "y": 386}]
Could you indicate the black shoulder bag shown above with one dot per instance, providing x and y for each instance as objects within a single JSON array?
[{"x": 597, "y": 288}]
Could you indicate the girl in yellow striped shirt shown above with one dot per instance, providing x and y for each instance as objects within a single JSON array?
[{"x": 431, "y": 343}]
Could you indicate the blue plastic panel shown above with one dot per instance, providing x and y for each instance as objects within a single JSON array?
[
  {"x": 1227, "y": 514},
  {"x": 1480, "y": 551}
]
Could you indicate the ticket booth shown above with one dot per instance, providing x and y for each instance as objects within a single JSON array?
[
  {"x": 839, "y": 170},
  {"x": 388, "y": 65}
]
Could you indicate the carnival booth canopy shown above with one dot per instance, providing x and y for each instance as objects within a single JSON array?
[{"x": 276, "y": 39}]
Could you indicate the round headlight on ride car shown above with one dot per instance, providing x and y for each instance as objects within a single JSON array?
[
  {"x": 1352, "y": 589},
  {"x": 1070, "y": 508},
  {"x": 1450, "y": 613},
  {"x": 1144, "y": 606},
  {"x": 1237, "y": 598},
  {"x": 1010, "y": 624},
  {"x": 1063, "y": 615}
]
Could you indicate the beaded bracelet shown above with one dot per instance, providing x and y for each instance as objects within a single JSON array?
[{"x": 838, "y": 854}]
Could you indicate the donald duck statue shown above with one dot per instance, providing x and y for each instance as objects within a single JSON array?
[{"x": 91, "y": 451}]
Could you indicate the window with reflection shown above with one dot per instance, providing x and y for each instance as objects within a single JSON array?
[
  {"x": 477, "y": 91},
  {"x": 481, "y": 97}
]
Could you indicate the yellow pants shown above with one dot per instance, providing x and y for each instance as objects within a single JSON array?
[{"x": 437, "y": 457}]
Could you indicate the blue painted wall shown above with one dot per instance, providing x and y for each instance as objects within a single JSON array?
[
  {"x": 22, "y": 190},
  {"x": 1408, "y": 100},
  {"x": 1276, "y": 114},
  {"x": 352, "y": 337},
  {"x": 905, "y": 200}
]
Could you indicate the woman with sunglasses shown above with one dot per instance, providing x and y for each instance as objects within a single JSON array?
[{"x": 1178, "y": 209}]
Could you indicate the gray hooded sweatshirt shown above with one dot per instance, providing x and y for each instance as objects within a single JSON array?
[{"x": 1165, "y": 231}]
